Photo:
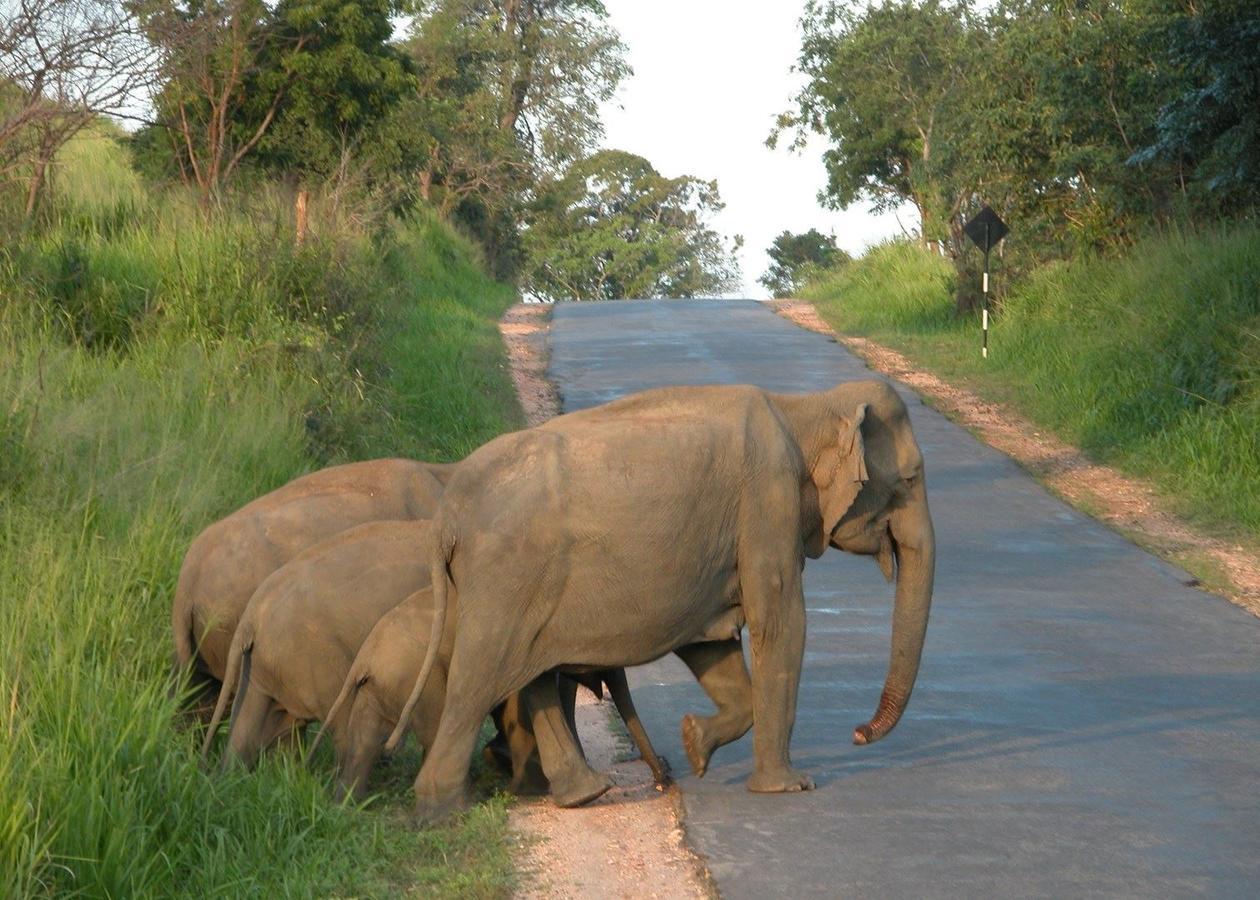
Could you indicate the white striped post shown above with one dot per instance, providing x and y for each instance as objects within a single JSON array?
[
  {"x": 985, "y": 229},
  {"x": 984, "y": 310}
]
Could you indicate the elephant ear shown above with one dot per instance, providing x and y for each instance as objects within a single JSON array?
[{"x": 840, "y": 471}]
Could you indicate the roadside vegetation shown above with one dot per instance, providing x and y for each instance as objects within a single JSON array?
[
  {"x": 1149, "y": 361},
  {"x": 158, "y": 368}
]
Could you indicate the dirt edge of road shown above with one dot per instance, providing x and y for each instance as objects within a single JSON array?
[
  {"x": 630, "y": 842},
  {"x": 524, "y": 328},
  {"x": 1125, "y": 503}
]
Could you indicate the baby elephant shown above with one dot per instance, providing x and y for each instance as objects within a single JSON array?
[{"x": 384, "y": 673}]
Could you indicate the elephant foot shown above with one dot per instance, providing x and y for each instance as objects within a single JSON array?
[
  {"x": 428, "y": 813},
  {"x": 530, "y": 780},
  {"x": 698, "y": 749},
  {"x": 579, "y": 788},
  {"x": 661, "y": 773},
  {"x": 497, "y": 755},
  {"x": 783, "y": 780}
]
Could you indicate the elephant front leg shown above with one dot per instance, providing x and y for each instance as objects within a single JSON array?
[
  {"x": 720, "y": 669},
  {"x": 774, "y": 603},
  {"x": 573, "y": 781},
  {"x": 359, "y": 746}
]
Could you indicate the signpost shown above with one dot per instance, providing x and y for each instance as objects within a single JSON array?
[{"x": 986, "y": 231}]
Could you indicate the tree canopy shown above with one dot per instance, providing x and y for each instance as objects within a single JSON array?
[
  {"x": 793, "y": 257},
  {"x": 1212, "y": 125},
  {"x": 613, "y": 227},
  {"x": 1081, "y": 123},
  {"x": 487, "y": 110}
]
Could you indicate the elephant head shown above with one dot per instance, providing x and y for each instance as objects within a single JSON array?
[{"x": 866, "y": 494}]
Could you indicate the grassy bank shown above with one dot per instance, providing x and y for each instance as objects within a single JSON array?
[
  {"x": 1150, "y": 362},
  {"x": 157, "y": 370}
]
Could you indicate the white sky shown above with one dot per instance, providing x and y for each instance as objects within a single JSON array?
[{"x": 709, "y": 79}]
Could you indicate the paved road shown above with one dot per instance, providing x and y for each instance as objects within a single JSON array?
[{"x": 1084, "y": 723}]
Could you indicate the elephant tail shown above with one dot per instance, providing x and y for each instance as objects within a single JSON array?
[
  {"x": 443, "y": 548},
  {"x": 182, "y": 632},
  {"x": 349, "y": 690},
  {"x": 192, "y": 682},
  {"x": 186, "y": 661},
  {"x": 238, "y": 660}
]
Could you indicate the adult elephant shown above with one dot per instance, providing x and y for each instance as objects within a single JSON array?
[
  {"x": 232, "y": 557},
  {"x": 609, "y": 537}
]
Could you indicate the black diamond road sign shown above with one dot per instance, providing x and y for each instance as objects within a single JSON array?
[{"x": 986, "y": 229}]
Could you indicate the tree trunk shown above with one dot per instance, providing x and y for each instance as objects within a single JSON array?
[
  {"x": 299, "y": 210},
  {"x": 514, "y": 26},
  {"x": 35, "y": 186}
]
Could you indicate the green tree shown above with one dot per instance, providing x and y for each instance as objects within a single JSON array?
[
  {"x": 885, "y": 86},
  {"x": 1091, "y": 83},
  {"x": 464, "y": 153},
  {"x": 303, "y": 88},
  {"x": 211, "y": 51},
  {"x": 340, "y": 79},
  {"x": 1211, "y": 127},
  {"x": 794, "y": 256},
  {"x": 1035, "y": 108},
  {"x": 509, "y": 93},
  {"x": 553, "y": 63},
  {"x": 613, "y": 227},
  {"x": 63, "y": 65}
]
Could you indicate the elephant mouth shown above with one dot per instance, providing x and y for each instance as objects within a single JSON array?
[{"x": 862, "y": 538}]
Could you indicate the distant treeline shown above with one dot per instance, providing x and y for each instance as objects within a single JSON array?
[
  {"x": 485, "y": 110},
  {"x": 1084, "y": 123}
]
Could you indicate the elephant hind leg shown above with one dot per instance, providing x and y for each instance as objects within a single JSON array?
[
  {"x": 573, "y": 781},
  {"x": 720, "y": 668},
  {"x": 441, "y": 787}
]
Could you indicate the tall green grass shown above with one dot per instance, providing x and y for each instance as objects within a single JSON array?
[
  {"x": 1150, "y": 361},
  {"x": 159, "y": 368}
]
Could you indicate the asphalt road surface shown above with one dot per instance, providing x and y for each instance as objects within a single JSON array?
[{"x": 1084, "y": 723}]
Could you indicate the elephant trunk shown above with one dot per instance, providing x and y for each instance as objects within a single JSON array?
[{"x": 914, "y": 544}]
